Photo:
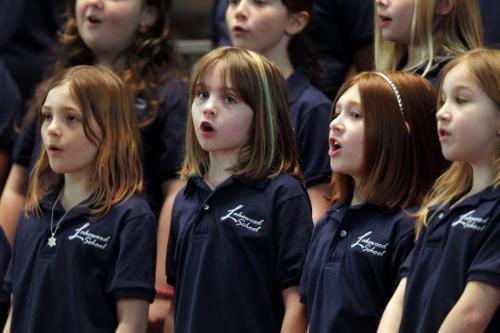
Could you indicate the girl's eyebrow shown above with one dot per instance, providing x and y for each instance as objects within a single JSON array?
[
  {"x": 347, "y": 104},
  {"x": 64, "y": 108}
]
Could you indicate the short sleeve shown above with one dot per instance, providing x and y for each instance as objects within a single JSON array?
[
  {"x": 485, "y": 266},
  {"x": 171, "y": 264},
  {"x": 401, "y": 255},
  {"x": 133, "y": 274},
  {"x": 292, "y": 234},
  {"x": 5, "y": 253}
]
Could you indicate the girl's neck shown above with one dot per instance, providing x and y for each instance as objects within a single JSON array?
[
  {"x": 279, "y": 56},
  {"x": 217, "y": 172},
  {"x": 111, "y": 62},
  {"x": 356, "y": 197},
  {"x": 74, "y": 191},
  {"x": 412, "y": 58},
  {"x": 482, "y": 176}
]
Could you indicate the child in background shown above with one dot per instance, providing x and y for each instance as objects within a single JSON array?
[
  {"x": 421, "y": 36},
  {"x": 241, "y": 226},
  {"x": 275, "y": 29},
  {"x": 84, "y": 255},
  {"x": 132, "y": 37},
  {"x": 382, "y": 131},
  {"x": 342, "y": 33},
  {"x": 453, "y": 281}
]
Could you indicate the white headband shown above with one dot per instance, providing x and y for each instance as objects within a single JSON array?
[{"x": 394, "y": 89}]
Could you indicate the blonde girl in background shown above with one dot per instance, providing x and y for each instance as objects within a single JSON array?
[{"x": 421, "y": 36}]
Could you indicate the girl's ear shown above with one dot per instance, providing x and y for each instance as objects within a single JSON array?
[
  {"x": 148, "y": 17},
  {"x": 297, "y": 22},
  {"x": 444, "y": 7}
]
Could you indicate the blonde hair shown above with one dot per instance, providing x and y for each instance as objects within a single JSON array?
[
  {"x": 103, "y": 96},
  {"x": 389, "y": 147},
  {"x": 271, "y": 148},
  {"x": 433, "y": 37},
  {"x": 484, "y": 68}
]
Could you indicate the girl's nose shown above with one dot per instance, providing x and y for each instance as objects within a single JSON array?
[
  {"x": 241, "y": 10},
  {"x": 443, "y": 114},
  {"x": 335, "y": 125},
  {"x": 53, "y": 128}
]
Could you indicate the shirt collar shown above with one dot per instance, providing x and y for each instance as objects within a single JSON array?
[
  {"x": 488, "y": 194},
  {"x": 197, "y": 182}
]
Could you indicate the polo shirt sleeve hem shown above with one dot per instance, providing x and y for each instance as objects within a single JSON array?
[
  {"x": 492, "y": 278},
  {"x": 141, "y": 293},
  {"x": 290, "y": 283},
  {"x": 171, "y": 281},
  {"x": 321, "y": 179}
]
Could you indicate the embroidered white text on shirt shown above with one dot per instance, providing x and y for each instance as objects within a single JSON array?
[
  {"x": 467, "y": 221},
  {"x": 369, "y": 246},
  {"x": 241, "y": 220},
  {"x": 89, "y": 238}
]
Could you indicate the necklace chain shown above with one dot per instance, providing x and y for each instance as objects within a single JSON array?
[{"x": 51, "y": 242}]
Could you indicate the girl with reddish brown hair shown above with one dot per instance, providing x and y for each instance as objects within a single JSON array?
[{"x": 382, "y": 128}]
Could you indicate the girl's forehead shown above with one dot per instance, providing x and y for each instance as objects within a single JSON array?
[{"x": 216, "y": 73}]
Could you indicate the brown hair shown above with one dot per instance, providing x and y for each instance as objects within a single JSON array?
[
  {"x": 402, "y": 153},
  {"x": 484, "y": 68},
  {"x": 102, "y": 95},
  {"x": 271, "y": 148},
  {"x": 149, "y": 60}
]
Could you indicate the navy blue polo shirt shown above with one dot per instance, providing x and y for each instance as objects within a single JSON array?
[
  {"x": 162, "y": 141},
  {"x": 10, "y": 102},
  {"x": 4, "y": 263},
  {"x": 74, "y": 286},
  {"x": 310, "y": 113},
  {"x": 432, "y": 75},
  {"x": 490, "y": 12},
  {"x": 338, "y": 29},
  {"x": 28, "y": 39},
  {"x": 219, "y": 33},
  {"x": 233, "y": 250},
  {"x": 460, "y": 244},
  {"x": 352, "y": 266}
]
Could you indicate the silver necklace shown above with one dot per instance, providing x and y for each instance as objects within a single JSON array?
[{"x": 51, "y": 242}]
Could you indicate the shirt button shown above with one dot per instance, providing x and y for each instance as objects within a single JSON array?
[
  {"x": 343, "y": 233},
  {"x": 206, "y": 207}
]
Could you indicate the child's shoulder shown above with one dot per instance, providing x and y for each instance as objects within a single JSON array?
[
  {"x": 286, "y": 185},
  {"x": 301, "y": 91},
  {"x": 134, "y": 206}
]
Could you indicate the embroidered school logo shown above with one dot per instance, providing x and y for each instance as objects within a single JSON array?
[
  {"x": 367, "y": 245},
  {"x": 242, "y": 220},
  {"x": 468, "y": 221},
  {"x": 89, "y": 238}
]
